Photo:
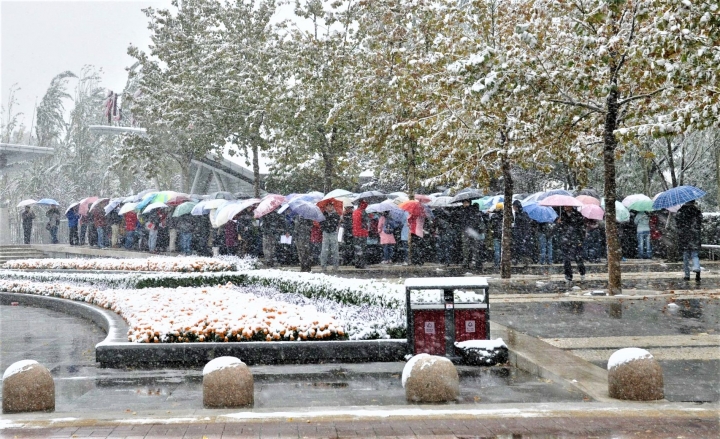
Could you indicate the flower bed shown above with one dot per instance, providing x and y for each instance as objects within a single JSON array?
[
  {"x": 168, "y": 264},
  {"x": 221, "y": 313}
]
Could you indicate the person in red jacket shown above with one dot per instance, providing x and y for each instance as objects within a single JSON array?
[
  {"x": 361, "y": 227},
  {"x": 131, "y": 221}
]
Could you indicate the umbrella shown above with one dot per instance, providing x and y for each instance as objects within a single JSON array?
[
  {"x": 672, "y": 209},
  {"x": 184, "y": 209},
  {"x": 268, "y": 204},
  {"x": 178, "y": 199},
  {"x": 48, "y": 202},
  {"x": 370, "y": 196},
  {"x": 622, "y": 215},
  {"x": 677, "y": 196},
  {"x": 337, "y": 193},
  {"x": 396, "y": 214},
  {"x": 75, "y": 204},
  {"x": 143, "y": 194},
  {"x": 85, "y": 204},
  {"x": 27, "y": 202},
  {"x": 307, "y": 210},
  {"x": 441, "y": 201},
  {"x": 468, "y": 194},
  {"x": 489, "y": 202},
  {"x": 560, "y": 200},
  {"x": 592, "y": 211},
  {"x": 638, "y": 202},
  {"x": 541, "y": 214},
  {"x": 115, "y": 202},
  {"x": 415, "y": 208},
  {"x": 228, "y": 211},
  {"x": 154, "y": 206},
  {"x": 587, "y": 199},
  {"x": 221, "y": 195},
  {"x": 102, "y": 202},
  {"x": 311, "y": 197},
  {"x": 532, "y": 198},
  {"x": 398, "y": 194},
  {"x": 337, "y": 204},
  {"x": 422, "y": 198},
  {"x": 215, "y": 203},
  {"x": 127, "y": 207},
  {"x": 552, "y": 192},
  {"x": 590, "y": 192},
  {"x": 146, "y": 201},
  {"x": 199, "y": 208}
]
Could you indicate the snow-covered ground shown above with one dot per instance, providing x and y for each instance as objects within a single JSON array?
[{"x": 158, "y": 263}]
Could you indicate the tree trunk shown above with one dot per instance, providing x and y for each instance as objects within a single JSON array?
[
  {"x": 410, "y": 184},
  {"x": 717, "y": 169},
  {"x": 328, "y": 161},
  {"x": 614, "y": 250},
  {"x": 185, "y": 178},
  {"x": 682, "y": 163},
  {"x": 256, "y": 168},
  {"x": 506, "y": 245},
  {"x": 671, "y": 162}
]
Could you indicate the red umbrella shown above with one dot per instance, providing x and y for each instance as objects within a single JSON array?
[
  {"x": 414, "y": 208},
  {"x": 85, "y": 204},
  {"x": 177, "y": 199},
  {"x": 268, "y": 204},
  {"x": 337, "y": 204}
]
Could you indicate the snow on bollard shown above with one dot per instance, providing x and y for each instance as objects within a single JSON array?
[
  {"x": 227, "y": 383},
  {"x": 429, "y": 378},
  {"x": 27, "y": 387},
  {"x": 633, "y": 374}
]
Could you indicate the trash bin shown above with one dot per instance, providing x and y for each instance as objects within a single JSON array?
[{"x": 441, "y": 311}]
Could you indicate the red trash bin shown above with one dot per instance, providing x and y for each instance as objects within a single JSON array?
[{"x": 429, "y": 331}]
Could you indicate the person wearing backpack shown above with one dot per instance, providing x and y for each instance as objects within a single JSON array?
[{"x": 386, "y": 229}]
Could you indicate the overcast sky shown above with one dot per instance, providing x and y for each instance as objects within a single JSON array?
[{"x": 40, "y": 39}]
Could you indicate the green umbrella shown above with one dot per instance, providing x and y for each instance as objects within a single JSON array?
[
  {"x": 184, "y": 208},
  {"x": 641, "y": 205},
  {"x": 622, "y": 214}
]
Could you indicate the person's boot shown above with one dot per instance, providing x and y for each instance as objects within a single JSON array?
[{"x": 697, "y": 276}]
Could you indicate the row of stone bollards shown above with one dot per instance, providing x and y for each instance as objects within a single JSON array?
[{"x": 633, "y": 374}]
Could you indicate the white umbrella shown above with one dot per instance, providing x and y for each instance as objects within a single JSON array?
[
  {"x": 115, "y": 202},
  {"x": 215, "y": 203},
  {"x": 231, "y": 209},
  {"x": 75, "y": 204},
  {"x": 27, "y": 202},
  {"x": 127, "y": 207},
  {"x": 337, "y": 193},
  {"x": 154, "y": 206}
]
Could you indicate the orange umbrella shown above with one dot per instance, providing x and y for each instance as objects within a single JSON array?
[
  {"x": 337, "y": 204},
  {"x": 414, "y": 208}
]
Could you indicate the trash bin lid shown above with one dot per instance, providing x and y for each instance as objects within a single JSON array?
[{"x": 446, "y": 282}]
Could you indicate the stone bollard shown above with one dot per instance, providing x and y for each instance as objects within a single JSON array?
[
  {"x": 27, "y": 387},
  {"x": 633, "y": 374},
  {"x": 429, "y": 378},
  {"x": 227, "y": 383}
]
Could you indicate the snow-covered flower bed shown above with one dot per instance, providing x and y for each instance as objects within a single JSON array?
[
  {"x": 221, "y": 313},
  {"x": 158, "y": 263}
]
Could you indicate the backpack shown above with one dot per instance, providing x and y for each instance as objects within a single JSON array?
[{"x": 389, "y": 226}]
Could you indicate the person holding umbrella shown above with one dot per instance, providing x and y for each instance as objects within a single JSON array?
[
  {"x": 303, "y": 228},
  {"x": 642, "y": 222},
  {"x": 329, "y": 229},
  {"x": 360, "y": 228},
  {"x": 53, "y": 216},
  {"x": 472, "y": 227},
  {"x": 521, "y": 234},
  {"x": 27, "y": 220},
  {"x": 571, "y": 233},
  {"x": 73, "y": 217},
  {"x": 689, "y": 227}
]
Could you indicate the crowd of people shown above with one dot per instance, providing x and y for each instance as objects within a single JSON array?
[{"x": 455, "y": 235}]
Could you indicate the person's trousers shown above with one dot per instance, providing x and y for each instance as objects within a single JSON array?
[
  {"x": 114, "y": 234},
  {"x": 185, "y": 242},
  {"x": 27, "y": 232},
  {"x": 573, "y": 253},
  {"x": 469, "y": 249},
  {"x": 101, "y": 237},
  {"x": 269, "y": 245},
  {"x": 388, "y": 250},
  {"x": 330, "y": 245},
  {"x": 360, "y": 245},
  {"x": 546, "y": 249},
  {"x": 129, "y": 239},
  {"x": 53, "y": 234},
  {"x": 73, "y": 236},
  {"x": 497, "y": 251},
  {"x": 687, "y": 256},
  {"x": 152, "y": 240},
  {"x": 644, "y": 249},
  {"x": 304, "y": 254},
  {"x": 83, "y": 234}
]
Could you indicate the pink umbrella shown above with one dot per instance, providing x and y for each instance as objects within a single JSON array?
[
  {"x": 587, "y": 199},
  {"x": 560, "y": 200},
  {"x": 591, "y": 211},
  {"x": 85, "y": 204},
  {"x": 422, "y": 198},
  {"x": 268, "y": 204}
]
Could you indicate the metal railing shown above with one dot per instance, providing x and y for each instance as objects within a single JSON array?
[{"x": 38, "y": 235}]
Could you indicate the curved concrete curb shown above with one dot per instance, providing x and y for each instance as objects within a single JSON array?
[{"x": 116, "y": 351}]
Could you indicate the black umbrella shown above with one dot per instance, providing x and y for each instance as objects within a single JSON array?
[
  {"x": 467, "y": 194},
  {"x": 370, "y": 196},
  {"x": 590, "y": 192}
]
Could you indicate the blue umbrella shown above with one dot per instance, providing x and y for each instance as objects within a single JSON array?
[
  {"x": 675, "y": 197},
  {"x": 48, "y": 202},
  {"x": 307, "y": 210},
  {"x": 147, "y": 199},
  {"x": 541, "y": 214}
]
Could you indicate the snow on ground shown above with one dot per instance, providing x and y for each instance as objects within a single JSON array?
[{"x": 157, "y": 263}]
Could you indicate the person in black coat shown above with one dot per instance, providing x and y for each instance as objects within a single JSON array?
[
  {"x": 472, "y": 231},
  {"x": 571, "y": 234},
  {"x": 689, "y": 227},
  {"x": 522, "y": 234}
]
